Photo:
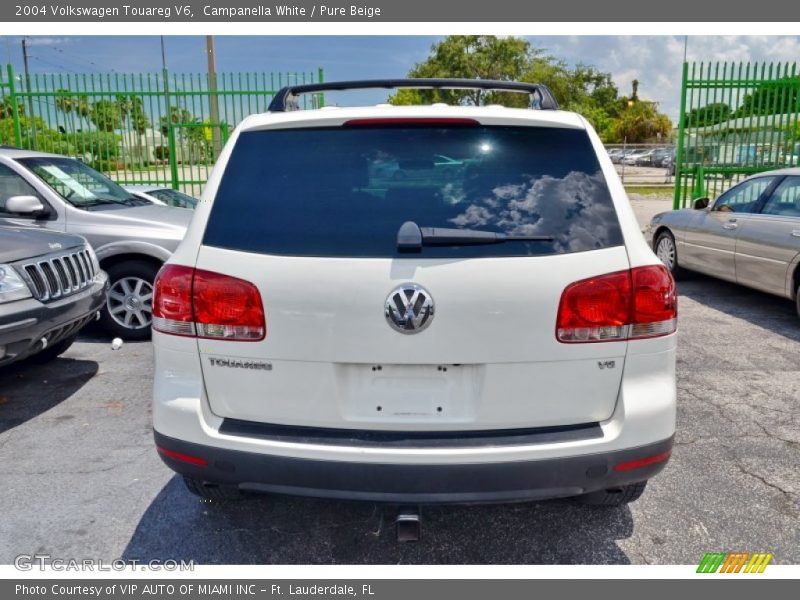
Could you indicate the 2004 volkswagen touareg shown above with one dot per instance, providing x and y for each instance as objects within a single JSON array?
[{"x": 415, "y": 304}]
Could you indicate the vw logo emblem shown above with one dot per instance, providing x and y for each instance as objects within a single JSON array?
[{"x": 409, "y": 308}]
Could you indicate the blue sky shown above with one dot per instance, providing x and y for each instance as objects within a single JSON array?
[{"x": 653, "y": 60}]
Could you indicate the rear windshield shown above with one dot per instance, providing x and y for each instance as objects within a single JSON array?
[{"x": 345, "y": 191}]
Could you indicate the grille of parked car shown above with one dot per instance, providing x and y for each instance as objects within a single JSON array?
[{"x": 61, "y": 275}]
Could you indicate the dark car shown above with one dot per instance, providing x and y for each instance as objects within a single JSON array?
[
  {"x": 661, "y": 157},
  {"x": 50, "y": 287}
]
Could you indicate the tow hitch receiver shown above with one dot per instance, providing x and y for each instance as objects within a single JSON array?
[{"x": 408, "y": 524}]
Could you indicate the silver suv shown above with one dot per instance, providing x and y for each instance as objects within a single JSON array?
[{"x": 132, "y": 237}]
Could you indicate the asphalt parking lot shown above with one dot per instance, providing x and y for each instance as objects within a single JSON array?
[{"x": 81, "y": 479}]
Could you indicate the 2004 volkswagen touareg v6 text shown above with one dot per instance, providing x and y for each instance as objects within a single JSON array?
[{"x": 415, "y": 304}]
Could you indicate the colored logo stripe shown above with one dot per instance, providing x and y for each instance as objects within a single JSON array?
[
  {"x": 758, "y": 563},
  {"x": 711, "y": 562},
  {"x": 734, "y": 562}
]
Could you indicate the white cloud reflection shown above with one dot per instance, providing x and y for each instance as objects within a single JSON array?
[{"x": 576, "y": 210}]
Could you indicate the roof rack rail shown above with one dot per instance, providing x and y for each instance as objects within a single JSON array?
[{"x": 540, "y": 95}]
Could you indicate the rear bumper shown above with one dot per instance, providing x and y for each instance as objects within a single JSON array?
[
  {"x": 412, "y": 483},
  {"x": 452, "y": 465}
]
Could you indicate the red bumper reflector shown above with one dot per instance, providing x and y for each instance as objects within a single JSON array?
[
  {"x": 643, "y": 462},
  {"x": 194, "y": 460}
]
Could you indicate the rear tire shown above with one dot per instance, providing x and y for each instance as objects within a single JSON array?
[
  {"x": 130, "y": 299},
  {"x": 212, "y": 491},
  {"x": 614, "y": 496},
  {"x": 667, "y": 252},
  {"x": 52, "y": 352}
]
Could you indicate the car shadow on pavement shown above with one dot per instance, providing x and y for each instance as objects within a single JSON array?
[
  {"x": 28, "y": 390},
  {"x": 94, "y": 333},
  {"x": 759, "y": 308},
  {"x": 285, "y": 530}
]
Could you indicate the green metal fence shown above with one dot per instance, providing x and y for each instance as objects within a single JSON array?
[
  {"x": 736, "y": 119},
  {"x": 140, "y": 129}
]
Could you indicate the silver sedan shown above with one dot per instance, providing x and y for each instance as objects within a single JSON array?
[{"x": 749, "y": 235}]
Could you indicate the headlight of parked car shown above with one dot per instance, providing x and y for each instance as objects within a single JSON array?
[{"x": 11, "y": 285}]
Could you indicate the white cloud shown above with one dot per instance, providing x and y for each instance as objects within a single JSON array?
[
  {"x": 49, "y": 41},
  {"x": 655, "y": 61}
]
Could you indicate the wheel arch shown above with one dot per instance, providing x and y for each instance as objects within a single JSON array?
[
  {"x": 662, "y": 229},
  {"x": 117, "y": 252},
  {"x": 795, "y": 280},
  {"x": 115, "y": 259}
]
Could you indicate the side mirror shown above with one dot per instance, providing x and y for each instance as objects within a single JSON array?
[
  {"x": 701, "y": 203},
  {"x": 25, "y": 205}
]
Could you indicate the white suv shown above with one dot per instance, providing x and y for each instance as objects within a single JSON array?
[{"x": 415, "y": 304}]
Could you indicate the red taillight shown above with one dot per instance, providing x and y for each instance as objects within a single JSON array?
[
  {"x": 618, "y": 306},
  {"x": 643, "y": 462},
  {"x": 655, "y": 302},
  {"x": 226, "y": 307},
  {"x": 411, "y": 121},
  {"x": 194, "y": 302},
  {"x": 172, "y": 300},
  {"x": 193, "y": 460}
]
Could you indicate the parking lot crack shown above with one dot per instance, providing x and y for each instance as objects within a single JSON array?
[{"x": 787, "y": 494}]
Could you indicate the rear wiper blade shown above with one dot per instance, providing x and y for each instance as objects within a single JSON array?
[{"x": 411, "y": 237}]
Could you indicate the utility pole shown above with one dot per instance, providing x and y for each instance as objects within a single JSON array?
[
  {"x": 173, "y": 150},
  {"x": 213, "y": 99},
  {"x": 31, "y": 120},
  {"x": 163, "y": 55}
]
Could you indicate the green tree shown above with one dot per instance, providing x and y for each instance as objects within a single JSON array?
[
  {"x": 175, "y": 115},
  {"x": 710, "y": 114},
  {"x": 131, "y": 108},
  {"x": 7, "y": 108},
  {"x": 580, "y": 88},
  {"x": 192, "y": 132},
  {"x": 107, "y": 115},
  {"x": 507, "y": 59},
  {"x": 73, "y": 105},
  {"x": 772, "y": 98},
  {"x": 641, "y": 122},
  {"x": 46, "y": 139},
  {"x": 469, "y": 57}
]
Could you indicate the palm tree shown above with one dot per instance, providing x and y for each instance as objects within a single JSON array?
[{"x": 132, "y": 110}]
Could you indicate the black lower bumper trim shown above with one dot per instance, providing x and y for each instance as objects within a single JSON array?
[{"x": 412, "y": 483}]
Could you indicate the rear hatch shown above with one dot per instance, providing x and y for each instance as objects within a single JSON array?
[{"x": 311, "y": 217}]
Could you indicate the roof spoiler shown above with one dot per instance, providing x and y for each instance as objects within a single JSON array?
[{"x": 287, "y": 98}]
